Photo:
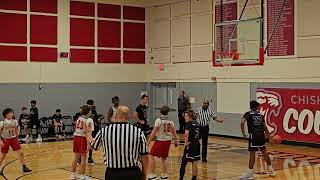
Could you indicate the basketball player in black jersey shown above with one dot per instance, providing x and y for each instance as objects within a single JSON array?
[
  {"x": 141, "y": 115},
  {"x": 257, "y": 130},
  {"x": 192, "y": 145}
]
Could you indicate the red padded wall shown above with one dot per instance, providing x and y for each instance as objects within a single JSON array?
[
  {"x": 13, "y": 53},
  {"x": 82, "y": 55},
  {"x": 43, "y": 30},
  {"x": 81, "y": 8},
  {"x": 81, "y": 32},
  {"x": 133, "y": 13},
  {"x": 20, "y": 5},
  {"x": 13, "y": 28},
  {"x": 109, "y": 11},
  {"x": 45, "y": 6},
  {"x": 42, "y": 54},
  {"x": 134, "y": 57},
  {"x": 134, "y": 35},
  {"x": 109, "y": 34},
  {"x": 109, "y": 56}
]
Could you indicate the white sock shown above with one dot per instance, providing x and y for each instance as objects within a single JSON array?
[
  {"x": 250, "y": 171},
  {"x": 39, "y": 135},
  {"x": 27, "y": 136},
  {"x": 82, "y": 176},
  {"x": 270, "y": 168}
]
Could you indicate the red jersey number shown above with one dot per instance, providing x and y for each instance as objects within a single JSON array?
[
  {"x": 79, "y": 124},
  {"x": 12, "y": 132},
  {"x": 167, "y": 127}
]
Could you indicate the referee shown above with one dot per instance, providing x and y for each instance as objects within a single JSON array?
[
  {"x": 204, "y": 115},
  {"x": 124, "y": 146}
]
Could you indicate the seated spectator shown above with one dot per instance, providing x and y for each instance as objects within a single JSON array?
[
  {"x": 24, "y": 122},
  {"x": 57, "y": 122}
]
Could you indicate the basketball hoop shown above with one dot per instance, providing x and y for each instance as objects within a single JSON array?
[{"x": 230, "y": 56}]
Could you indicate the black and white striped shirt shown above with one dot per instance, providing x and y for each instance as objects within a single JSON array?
[
  {"x": 204, "y": 116},
  {"x": 122, "y": 144}
]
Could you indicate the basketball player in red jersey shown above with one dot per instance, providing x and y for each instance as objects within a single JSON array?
[
  {"x": 9, "y": 130},
  {"x": 84, "y": 128},
  {"x": 163, "y": 129}
]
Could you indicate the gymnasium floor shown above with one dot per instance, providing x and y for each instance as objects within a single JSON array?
[{"x": 227, "y": 160}]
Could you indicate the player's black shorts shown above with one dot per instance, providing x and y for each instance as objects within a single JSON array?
[
  {"x": 192, "y": 152},
  {"x": 145, "y": 128},
  {"x": 256, "y": 142}
]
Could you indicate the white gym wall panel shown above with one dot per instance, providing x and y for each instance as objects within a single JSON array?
[
  {"x": 308, "y": 18},
  {"x": 194, "y": 72},
  {"x": 308, "y": 47},
  {"x": 162, "y": 2},
  {"x": 129, "y": 2},
  {"x": 180, "y": 9},
  {"x": 181, "y": 54},
  {"x": 161, "y": 55},
  {"x": 254, "y": 2},
  {"x": 201, "y": 53},
  {"x": 233, "y": 97},
  {"x": 201, "y": 30},
  {"x": 160, "y": 31},
  {"x": 201, "y": 6},
  {"x": 170, "y": 71},
  {"x": 160, "y": 12},
  {"x": 181, "y": 31}
]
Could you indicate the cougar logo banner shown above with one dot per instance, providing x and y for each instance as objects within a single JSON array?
[
  {"x": 271, "y": 105},
  {"x": 294, "y": 114}
]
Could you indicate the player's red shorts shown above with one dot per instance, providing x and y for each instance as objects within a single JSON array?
[
  {"x": 160, "y": 149},
  {"x": 80, "y": 144},
  {"x": 13, "y": 142}
]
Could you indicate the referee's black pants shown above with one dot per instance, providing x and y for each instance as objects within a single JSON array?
[
  {"x": 132, "y": 173},
  {"x": 94, "y": 133},
  {"x": 204, "y": 132}
]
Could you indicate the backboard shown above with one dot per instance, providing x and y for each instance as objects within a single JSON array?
[
  {"x": 238, "y": 43},
  {"x": 238, "y": 37}
]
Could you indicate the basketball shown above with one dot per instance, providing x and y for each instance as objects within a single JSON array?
[{"x": 277, "y": 139}]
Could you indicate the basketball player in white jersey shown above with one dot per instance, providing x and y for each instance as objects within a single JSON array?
[
  {"x": 164, "y": 130},
  {"x": 113, "y": 109},
  {"x": 9, "y": 130},
  {"x": 84, "y": 128}
]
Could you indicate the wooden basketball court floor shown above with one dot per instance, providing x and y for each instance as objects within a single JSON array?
[{"x": 228, "y": 158}]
